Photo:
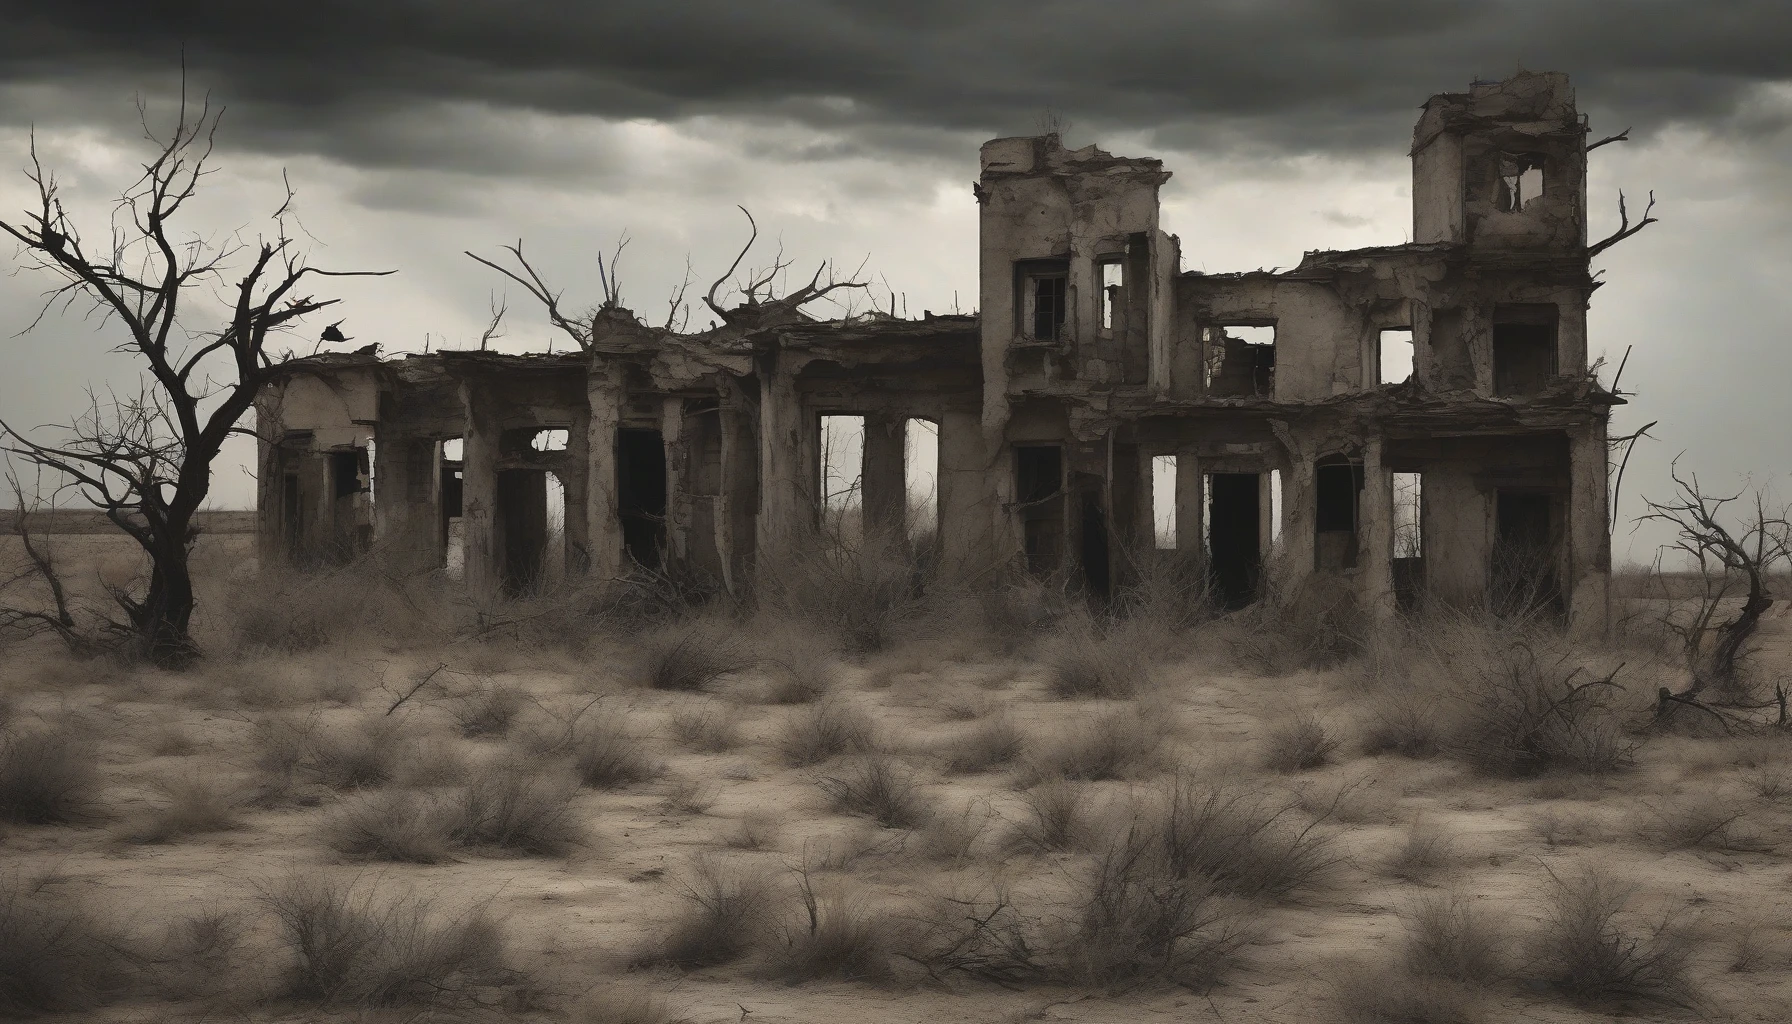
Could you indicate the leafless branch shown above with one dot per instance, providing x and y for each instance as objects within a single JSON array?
[
  {"x": 492, "y": 332},
  {"x": 1623, "y": 136},
  {"x": 1625, "y": 230}
]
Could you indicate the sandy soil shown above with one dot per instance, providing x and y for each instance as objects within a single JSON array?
[{"x": 573, "y": 921}]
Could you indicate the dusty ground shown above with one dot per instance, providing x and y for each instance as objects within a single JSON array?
[{"x": 573, "y": 921}]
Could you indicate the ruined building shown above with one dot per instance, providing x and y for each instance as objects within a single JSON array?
[{"x": 1100, "y": 387}]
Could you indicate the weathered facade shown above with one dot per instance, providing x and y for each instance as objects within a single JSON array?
[{"x": 1095, "y": 372}]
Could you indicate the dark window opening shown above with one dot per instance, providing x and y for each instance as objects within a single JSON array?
[
  {"x": 1234, "y": 537},
  {"x": 1043, "y": 294},
  {"x": 1113, "y": 281},
  {"x": 1337, "y": 486},
  {"x": 1241, "y": 361},
  {"x": 1039, "y": 487},
  {"x": 641, "y": 494},
  {"x": 1521, "y": 181},
  {"x": 345, "y": 471},
  {"x": 553, "y": 439},
  {"x": 1522, "y": 573},
  {"x": 1409, "y": 540},
  {"x": 1524, "y": 349}
]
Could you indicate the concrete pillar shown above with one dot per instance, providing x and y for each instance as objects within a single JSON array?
[
  {"x": 678, "y": 479},
  {"x": 1375, "y": 533},
  {"x": 1293, "y": 556},
  {"x": 737, "y": 507},
  {"x": 479, "y": 492},
  {"x": 603, "y": 520},
  {"x": 786, "y": 506},
  {"x": 1589, "y": 531},
  {"x": 967, "y": 524},
  {"x": 1145, "y": 520},
  {"x": 406, "y": 510},
  {"x": 1191, "y": 497},
  {"x": 883, "y": 480}
]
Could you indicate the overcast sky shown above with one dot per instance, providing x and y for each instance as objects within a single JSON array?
[{"x": 412, "y": 131}]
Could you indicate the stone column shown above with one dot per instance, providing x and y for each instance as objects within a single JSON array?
[
  {"x": 1375, "y": 534},
  {"x": 1145, "y": 518},
  {"x": 406, "y": 516},
  {"x": 737, "y": 507},
  {"x": 603, "y": 519},
  {"x": 1589, "y": 531},
  {"x": 479, "y": 492},
  {"x": 785, "y": 512},
  {"x": 968, "y": 529},
  {"x": 883, "y": 480},
  {"x": 678, "y": 496},
  {"x": 1191, "y": 496}
]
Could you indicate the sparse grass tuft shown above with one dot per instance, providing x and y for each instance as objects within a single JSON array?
[
  {"x": 625, "y": 1005},
  {"x": 687, "y": 794},
  {"x": 1448, "y": 937},
  {"x": 516, "y": 810},
  {"x": 1585, "y": 953},
  {"x": 402, "y": 826},
  {"x": 1117, "y": 745},
  {"x": 609, "y": 756},
  {"x": 192, "y": 805},
  {"x": 690, "y": 655},
  {"x": 1083, "y": 660},
  {"x": 1424, "y": 854},
  {"x": 1387, "y": 996},
  {"x": 843, "y": 939},
  {"x": 800, "y": 664},
  {"x": 361, "y": 756},
  {"x": 820, "y": 731},
  {"x": 347, "y": 949},
  {"x": 707, "y": 730},
  {"x": 758, "y": 831},
  {"x": 1701, "y": 823},
  {"x": 489, "y": 710},
  {"x": 725, "y": 914},
  {"x": 47, "y": 777},
  {"x": 1298, "y": 745},
  {"x": 1054, "y": 819},
  {"x": 991, "y": 742},
  {"x": 881, "y": 789},
  {"x": 1406, "y": 725},
  {"x": 1243, "y": 845}
]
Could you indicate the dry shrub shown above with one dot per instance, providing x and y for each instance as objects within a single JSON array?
[
  {"x": 867, "y": 595},
  {"x": 348, "y": 949},
  {"x": 758, "y": 830},
  {"x": 401, "y": 826},
  {"x": 1118, "y": 745},
  {"x": 820, "y": 731},
  {"x": 1298, "y": 745},
  {"x": 842, "y": 938},
  {"x": 192, "y": 805},
  {"x": 1386, "y": 996},
  {"x": 362, "y": 756},
  {"x": 433, "y": 762},
  {"x": 47, "y": 776},
  {"x": 879, "y": 788},
  {"x": 726, "y": 914},
  {"x": 1702, "y": 823},
  {"x": 707, "y": 730},
  {"x": 1585, "y": 952},
  {"x": 1087, "y": 658},
  {"x": 1355, "y": 802},
  {"x": 488, "y": 710},
  {"x": 950, "y": 835},
  {"x": 690, "y": 655},
  {"x": 198, "y": 954},
  {"x": 279, "y": 610},
  {"x": 800, "y": 663},
  {"x": 687, "y": 794},
  {"x": 1133, "y": 920},
  {"x": 1525, "y": 713},
  {"x": 55, "y": 956},
  {"x": 1425, "y": 852},
  {"x": 1054, "y": 819},
  {"x": 514, "y": 809},
  {"x": 607, "y": 755},
  {"x": 1558, "y": 829},
  {"x": 1449, "y": 937},
  {"x": 1244, "y": 845},
  {"x": 1405, "y": 724},
  {"x": 992, "y": 742},
  {"x": 1316, "y": 624}
]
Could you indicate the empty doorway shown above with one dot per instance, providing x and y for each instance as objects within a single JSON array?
[
  {"x": 1234, "y": 537},
  {"x": 641, "y": 494},
  {"x": 522, "y": 527},
  {"x": 1522, "y": 569}
]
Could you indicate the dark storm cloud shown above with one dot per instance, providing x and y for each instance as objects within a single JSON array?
[{"x": 339, "y": 78}]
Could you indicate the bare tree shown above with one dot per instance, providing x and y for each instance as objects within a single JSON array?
[
  {"x": 146, "y": 461},
  {"x": 1735, "y": 556},
  {"x": 1625, "y": 228}
]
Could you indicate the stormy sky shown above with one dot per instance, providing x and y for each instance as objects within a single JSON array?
[{"x": 411, "y": 131}]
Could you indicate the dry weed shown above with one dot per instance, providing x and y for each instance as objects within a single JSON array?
[{"x": 821, "y": 731}]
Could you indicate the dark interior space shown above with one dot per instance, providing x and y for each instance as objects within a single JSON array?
[
  {"x": 522, "y": 527},
  {"x": 1233, "y": 537},
  {"x": 1039, "y": 479},
  {"x": 1092, "y": 539},
  {"x": 292, "y": 515},
  {"x": 451, "y": 500},
  {"x": 1524, "y": 349},
  {"x": 641, "y": 494},
  {"x": 1337, "y": 489},
  {"x": 1522, "y": 568}
]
